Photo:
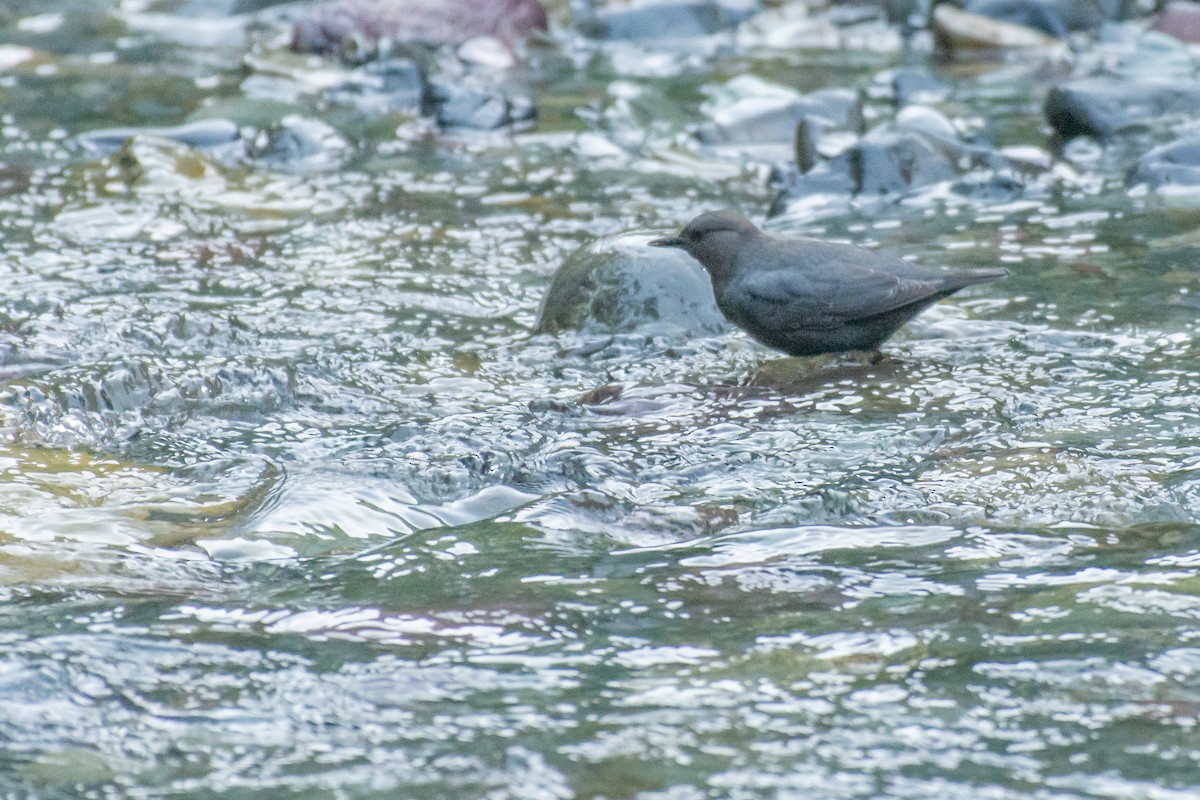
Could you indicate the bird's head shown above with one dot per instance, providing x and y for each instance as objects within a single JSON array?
[{"x": 714, "y": 239}]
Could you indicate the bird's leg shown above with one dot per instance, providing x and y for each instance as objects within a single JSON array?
[{"x": 871, "y": 358}]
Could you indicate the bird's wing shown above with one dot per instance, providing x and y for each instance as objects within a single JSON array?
[{"x": 803, "y": 299}]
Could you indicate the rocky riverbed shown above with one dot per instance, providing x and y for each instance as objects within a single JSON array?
[{"x": 356, "y": 446}]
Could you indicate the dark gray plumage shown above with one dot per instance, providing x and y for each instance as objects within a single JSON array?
[{"x": 805, "y": 296}]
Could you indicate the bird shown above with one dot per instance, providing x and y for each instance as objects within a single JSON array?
[{"x": 806, "y": 296}]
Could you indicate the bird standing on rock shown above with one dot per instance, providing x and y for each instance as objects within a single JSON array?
[{"x": 805, "y": 296}]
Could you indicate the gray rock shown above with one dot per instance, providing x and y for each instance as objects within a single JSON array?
[
  {"x": 459, "y": 106},
  {"x": 203, "y": 134},
  {"x": 917, "y": 85},
  {"x": 299, "y": 143},
  {"x": 762, "y": 120},
  {"x": 1181, "y": 20},
  {"x": 617, "y": 284},
  {"x": 381, "y": 87},
  {"x": 360, "y": 30},
  {"x": 1102, "y": 107},
  {"x": 660, "y": 20},
  {"x": 1173, "y": 164}
]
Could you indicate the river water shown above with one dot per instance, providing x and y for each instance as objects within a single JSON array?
[{"x": 294, "y": 503}]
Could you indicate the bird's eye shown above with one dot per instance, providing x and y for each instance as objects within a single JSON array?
[{"x": 694, "y": 235}]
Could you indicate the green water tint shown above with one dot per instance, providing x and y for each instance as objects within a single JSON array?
[{"x": 293, "y": 502}]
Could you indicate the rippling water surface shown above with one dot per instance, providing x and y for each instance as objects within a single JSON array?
[{"x": 294, "y": 503}]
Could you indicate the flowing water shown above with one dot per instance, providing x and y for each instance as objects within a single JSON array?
[{"x": 294, "y": 503}]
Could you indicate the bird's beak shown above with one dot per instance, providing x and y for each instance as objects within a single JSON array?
[{"x": 670, "y": 241}]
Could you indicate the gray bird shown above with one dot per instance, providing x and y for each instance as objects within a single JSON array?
[{"x": 805, "y": 296}]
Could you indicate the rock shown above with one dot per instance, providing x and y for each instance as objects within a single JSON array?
[
  {"x": 917, "y": 85},
  {"x": 1102, "y": 107},
  {"x": 1036, "y": 14},
  {"x": 908, "y": 14},
  {"x": 618, "y": 284},
  {"x": 300, "y": 143},
  {"x": 1173, "y": 164},
  {"x": 1181, "y": 20},
  {"x": 462, "y": 106},
  {"x": 203, "y": 134},
  {"x": 487, "y": 51},
  {"x": 892, "y": 158},
  {"x": 381, "y": 87},
  {"x": 660, "y": 20},
  {"x": 792, "y": 26},
  {"x": 1056, "y": 18},
  {"x": 896, "y": 161},
  {"x": 1154, "y": 56},
  {"x": 996, "y": 187},
  {"x": 956, "y": 30},
  {"x": 758, "y": 120},
  {"x": 364, "y": 29},
  {"x": 917, "y": 149}
]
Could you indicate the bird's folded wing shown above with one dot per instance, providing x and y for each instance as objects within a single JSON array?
[{"x": 796, "y": 299}]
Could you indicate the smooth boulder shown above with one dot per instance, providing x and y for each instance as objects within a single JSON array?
[
  {"x": 362, "y": 29},
  {"x": 618, "y": 284},
  {"x": 663, "y": 20},
  {"x": 1173, "y": 164},
  {"x": 1102, "y": 107}
]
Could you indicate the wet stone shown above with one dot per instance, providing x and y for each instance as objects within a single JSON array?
[
  {"x": 919, "y": 148},
  {"x": 994, "y": 188},
  {"x": 299, "y": 142},
  {"x": 662, "y": 20},
  {"x": 394, "y": 85},
  {"x": 1174, "y": 164},
  {"x": 457, "y": 106},
  {"x": 956, "y": 29},
  {"x": 206, "y": 133},
  {"x": 1046, "y": 16},
  {"x": 1102, "y": 107},
  {"x": 361, "y": 30},
  {"x": 619, "y": 284},
  {"x": 1181, "y": 20},
  {"x": 917, "y": 85},
  {"x": 758, "y": 120}
]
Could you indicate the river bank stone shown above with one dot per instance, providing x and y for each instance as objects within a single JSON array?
[
  {"x": 618, "y": 284},
  {"x": 1179, "y": 19},
  {"x": 760, "y": 119},
  {"x": 390, "y": 85},
  {"x": 1102, "y": 107},
  {"x": 958, "y": 30},
  {"x": 456, "y": 105},
  {"x": 919, "y": 148},
  {"x": 202, "y": 134},
  {"x": 360, "y": 30},
  {"x": 1173, "y": 164},
  {"x": 659, "y": 20}
]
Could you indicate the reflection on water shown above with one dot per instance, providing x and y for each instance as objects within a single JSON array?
[{"x": 293, "y": 501}]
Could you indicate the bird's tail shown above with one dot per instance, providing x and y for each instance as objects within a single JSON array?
[{"x": 971, "y": 277}]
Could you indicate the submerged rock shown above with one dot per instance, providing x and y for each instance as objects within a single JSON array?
[
  {"x": 917, "y": 149},
  {"x": 362, "y": 29},
  {"x": 392, "y": 85},
  {"x": 618, "y": 284},
  {"x": 1179, "y": 19},
  {"x": 1173, "y": 164},
  {"x": 1102, "y": 107},
  {"x": 203, "y": 134},
  {"x": 956, "y": 29},
  {"x": 917, "y": 85},
  {"x": 659, "y": 20},
  {"x": 300, "y": 143},
  {"x": 461, "y": 106},
  {"x": 1055, "y": 18},
  {"x": 758, "y": 120}
]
